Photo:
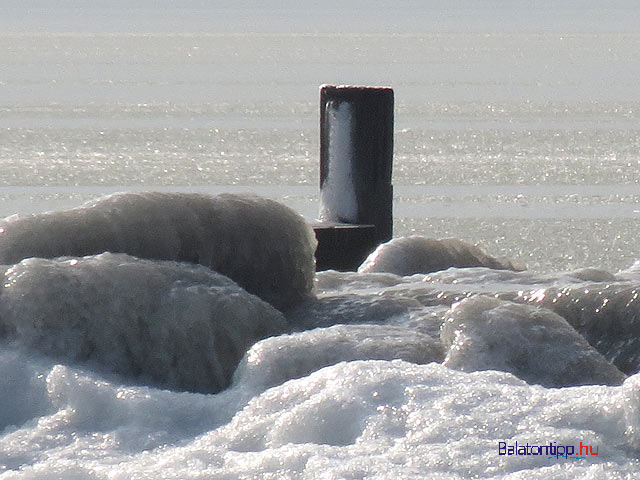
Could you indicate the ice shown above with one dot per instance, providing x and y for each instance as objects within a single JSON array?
[
  {"x": 265, "y": 247},
  {"x": 338, "y": 197},
  {"x": 517, "y": 128},
  {"x": 362, "y": 419},
  {"x": 345, "y": 308},
  {"x": 605, "y": 313},
  {"x": 23, "y": 394},
  {"x": 168, "y": 324},
  {"x": 535, "y": 344},
  {"x": 416, "y": 254},
  {"x": 324, "y": 403},
  {"x": 601, "y": 306},
  {"x": 308, "y": 405},
  {"x": 272, "y": 361}
]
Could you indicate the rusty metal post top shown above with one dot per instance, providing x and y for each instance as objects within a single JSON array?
[
  {"x": 353, "y": 87},
  {"x": 354, "y": 90}
]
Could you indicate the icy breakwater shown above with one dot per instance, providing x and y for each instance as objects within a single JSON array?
[{"x": 369, "y": 374}]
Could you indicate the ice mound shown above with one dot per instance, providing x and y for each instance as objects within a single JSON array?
[
  {"x": 266, "y": 247},
  {"x": 607, "y": 314},
  {"x": 416, "y": 254},
  {"x": 533, "y": 343},
  {"x": 162, "y": 323},
  {"x": 395, "y": 420},
  {"x": 275, "y": 360},
  {"x": 361, "y": 419}
]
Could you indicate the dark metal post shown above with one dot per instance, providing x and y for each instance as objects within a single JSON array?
[{"x": 356, "y": 155}]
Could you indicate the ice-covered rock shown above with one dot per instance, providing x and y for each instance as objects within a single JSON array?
[
  {"x": 167, "y": 324},
  {"x": 275, "y": 360},
  {"x": 533, "y": 343},
  {"x": 265, "y": 247},
  {"x": 416, "y": 254}
]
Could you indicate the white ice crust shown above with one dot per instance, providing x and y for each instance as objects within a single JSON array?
[{"x": 338, "y": 197}]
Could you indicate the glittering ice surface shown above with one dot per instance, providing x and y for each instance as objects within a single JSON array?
[
  {"x": 354, "y": 400},
  {"x": 516, "y": 132},
  {"x": 374, "y": 419}
]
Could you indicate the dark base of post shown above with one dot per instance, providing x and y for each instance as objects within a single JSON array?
[{"x": 342, "y": 246}]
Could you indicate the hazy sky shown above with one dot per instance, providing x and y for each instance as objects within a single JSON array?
[{"x": 320, "y": 16}]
